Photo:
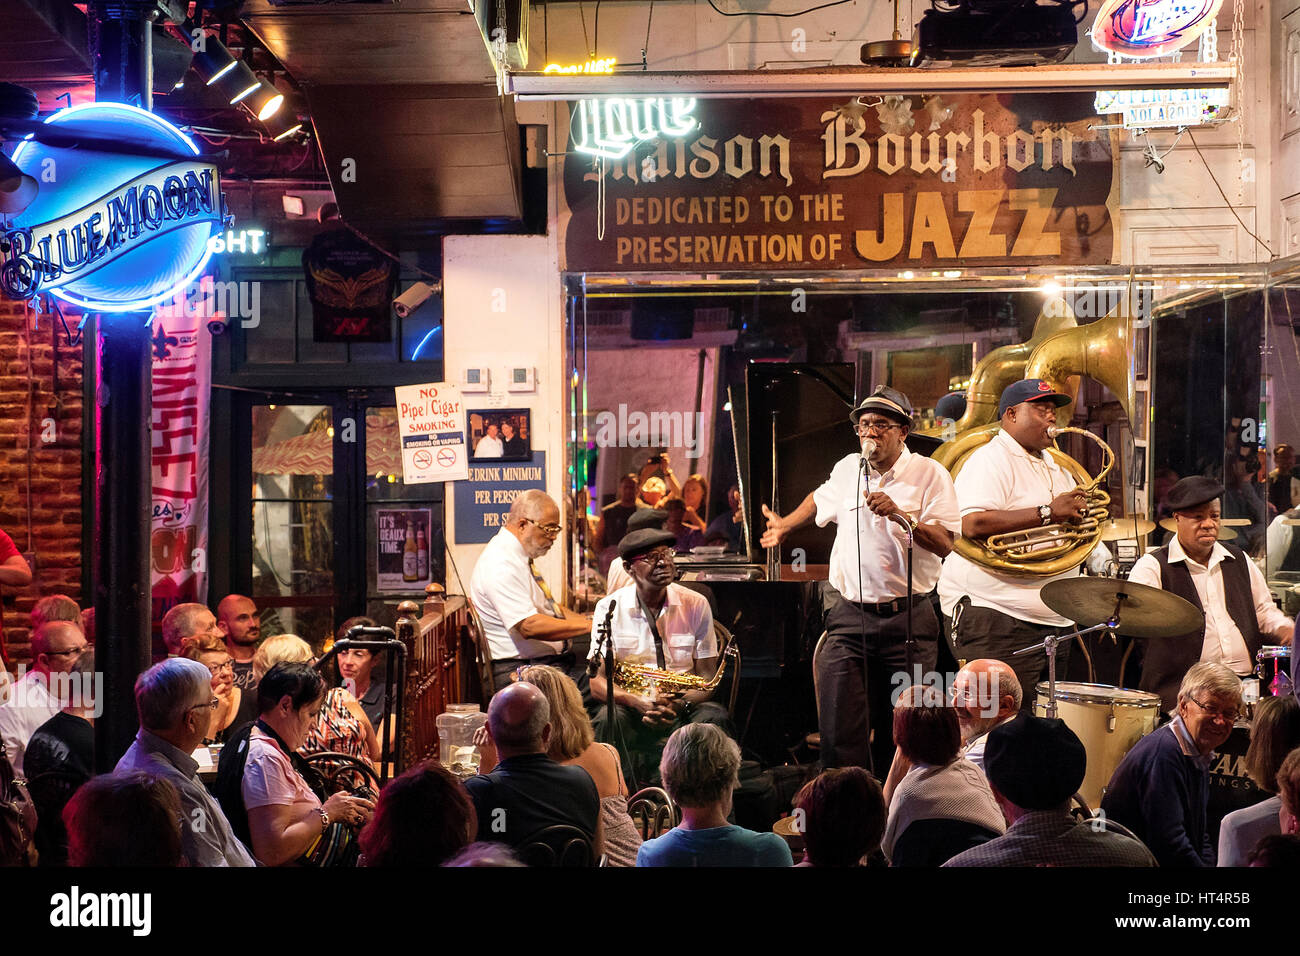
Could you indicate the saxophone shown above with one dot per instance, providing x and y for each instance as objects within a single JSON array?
[{"x": 644, "y": 681}]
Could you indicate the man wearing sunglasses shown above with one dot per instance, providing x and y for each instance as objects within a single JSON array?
[
  {"x": 522, "y": 621},
  {"x": 859, "y": 663}
]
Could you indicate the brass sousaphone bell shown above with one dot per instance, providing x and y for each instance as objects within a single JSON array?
[{"x": 1100, "y": 351}]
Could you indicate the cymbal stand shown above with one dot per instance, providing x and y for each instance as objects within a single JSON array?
[{"x": 1051, "y": 642}]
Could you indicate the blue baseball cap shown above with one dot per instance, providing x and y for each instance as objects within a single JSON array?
[{"x": 1030, "y": 390}]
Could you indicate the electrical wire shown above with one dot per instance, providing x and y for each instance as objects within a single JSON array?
[
  {"x": 756, "y": 13},
  {"x": 1267, "y": 248},
  {"x": 382, "y": 251},
  {"x": 645, "y": 47}
]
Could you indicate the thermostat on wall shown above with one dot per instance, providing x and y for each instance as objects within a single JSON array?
[
  {"x": 522, "y": 380},
  {"x": 476, "y": 380}
]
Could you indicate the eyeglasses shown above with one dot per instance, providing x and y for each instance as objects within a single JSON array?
[
  {"x": 224, "y": 666},
  {"x": 74, "y": 651},
  {"x": 1214, "y": 712},
  {"x": 213, "y": 704},
  {"x": 550, "y": 530},
  {"x": 863, "y": 427},
  {"x": 656, "y": 557}
]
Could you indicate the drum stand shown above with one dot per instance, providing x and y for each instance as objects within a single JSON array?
[{"x": 1051, "y": 642}]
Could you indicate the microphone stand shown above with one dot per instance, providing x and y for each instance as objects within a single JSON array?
[{"x": 910, "y": 645}]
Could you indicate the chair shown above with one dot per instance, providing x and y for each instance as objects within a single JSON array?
[
  {"x": 482, "y": 655},
  {"x": 557, "y": 845},
  {"x": 724, "y": 641},
  {"x": 343, "y": 771},
  {"x": 653, "y": 812},
  {"x": 812, "y": 741}
]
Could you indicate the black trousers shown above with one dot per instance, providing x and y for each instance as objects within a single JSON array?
[
  {"x": 641, "y": 745},
  {"x": 573, "y": 663},
  {"x": 978, "y": 632},
  {"x": 860, "y": 668}
]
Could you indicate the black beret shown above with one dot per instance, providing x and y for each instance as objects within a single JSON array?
[
  {"x": 1192, "y": 492},
  {"x": 647, "y": 518},
  {"x": 889, "y": 402},
  {"x": 637, "y": 543},
  {"x": 1035, "y": 762}
]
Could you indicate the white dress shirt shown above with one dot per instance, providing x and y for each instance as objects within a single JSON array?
[
  {"x": 29, "y": 705},
  {"x": 489, "y": 447},
  {"x": 1223, "y": 641},
  {"x": 504, "y": 594},
  {"x": 1004, "y": 476},
  {"x": 685, "y": 625},
  {"x": 919, "y": 487}
]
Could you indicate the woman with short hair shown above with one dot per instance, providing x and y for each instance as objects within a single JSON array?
[
  {"x": 1274, "y": 733},
  {"x": 131, "y": 819},
  {"x": 700, "y": 767},
  {"x": 422, "y": 818},
  {"x": 210, "y": 651},
  {"x": 842, "y": 814}
]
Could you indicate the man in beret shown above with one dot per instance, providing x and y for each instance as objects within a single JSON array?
[
  {"x": 618, "y": 576},
  {"x": 1012, "y": 483},
  {"x": 1034, "y": 766},
  {"x": 658, "y": 624},
  {"x": 1215, "y": 576},
  {"x": 876, "y": 498}
]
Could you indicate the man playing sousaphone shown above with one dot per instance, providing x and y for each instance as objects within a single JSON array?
[
  {"x": 1219, "y": 579},
  {"x": 655, "y": 626}
]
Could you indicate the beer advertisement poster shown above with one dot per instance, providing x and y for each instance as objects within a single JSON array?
[{"x": 402, "y": 536}]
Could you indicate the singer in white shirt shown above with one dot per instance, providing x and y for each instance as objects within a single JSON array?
[{"x": 873, "y": 508}]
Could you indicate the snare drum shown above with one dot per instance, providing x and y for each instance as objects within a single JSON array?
[
  {"x": 1108, "y": 720},
  {"x": 1273, "y": 668}
]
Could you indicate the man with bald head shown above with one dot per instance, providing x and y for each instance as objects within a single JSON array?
[
  {"x": 528, "y": 791},
  {"x": 56, "y": 645},
  {"x": 240, "y": 623},
  {"x": 986, "y": 694},
  {"x": 522, "y": 622}
]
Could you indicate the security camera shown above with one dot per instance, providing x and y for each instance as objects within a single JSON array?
[
  {"x": 217, "y": 324},
  {"x": 414, "y": 297}
]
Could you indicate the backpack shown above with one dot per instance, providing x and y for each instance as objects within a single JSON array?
[{"x": 17, "y": 818}]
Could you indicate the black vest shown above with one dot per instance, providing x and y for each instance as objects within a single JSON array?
[{"x": 1166, "y": 660}]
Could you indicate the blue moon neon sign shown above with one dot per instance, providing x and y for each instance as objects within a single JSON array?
[{"x": 110, "y": 232}]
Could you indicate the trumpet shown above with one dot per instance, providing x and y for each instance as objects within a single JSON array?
[
  {"x": 643, "y": 681},
  {"x": 1053, "y": 540}
]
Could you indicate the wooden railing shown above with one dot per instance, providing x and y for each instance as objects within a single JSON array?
[{"x": 434, "y": 637}]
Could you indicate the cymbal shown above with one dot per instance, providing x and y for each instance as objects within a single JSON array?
[
  {"x": 1143, "y": 611},
  {"x": 1225, "y": 533},
  {"x": 1121, "y": 529},
  {"x": 1235, "y": 522}
]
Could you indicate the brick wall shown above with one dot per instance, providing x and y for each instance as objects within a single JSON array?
[{"x": 52, "y": 430}]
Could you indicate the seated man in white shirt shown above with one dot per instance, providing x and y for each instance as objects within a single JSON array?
[
  {"x": 521, "y": 620},
  {"x": 1217, "y": 577},
  {"x": 656, "y": 624},
  {"x": 56, "y": 645},
  {"x": 986, "y": 694},
  {"x": 619, "y": 576},
  {"x": 489, "y": 446}
]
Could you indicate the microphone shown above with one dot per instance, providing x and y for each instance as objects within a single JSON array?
[
  {"x": 868, "y": 449},
  {"x": 602, "y": 639}
]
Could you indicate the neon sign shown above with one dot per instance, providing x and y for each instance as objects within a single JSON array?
[
  {"x": 1153, "y": 109},
  {"x": 611, "y": 127},
  {"x": 604, "y": 66},
  {"x": 110, "y": 232},
  {"x": 1151, "y": 28},
  {"x": 242, "y": 241}
]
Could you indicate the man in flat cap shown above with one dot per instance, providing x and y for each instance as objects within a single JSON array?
[
  {"x": 1215, "y": 576},
  {"x": 658, "y": 624},
  {"x": 874, "y": 498},
  {"x": 1034, "y": 766},
  {"x": 1012, "y": 483}
]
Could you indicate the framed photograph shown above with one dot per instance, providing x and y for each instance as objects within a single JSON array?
[{"x": 500, "y": 434}]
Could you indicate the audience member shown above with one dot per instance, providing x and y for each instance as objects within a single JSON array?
[
  {"x": 843, "y": 816},
  {"x": 939, "y": 803},
  {"x": 686, "y": 536},
  {"x": 1288, "y": 790},
  {"x": 422, "y": 818},
  {"x": 240, "y": 623},
  {"x": 173, "y": 700},
  {"x": 528, "y": 791},
  {"x": 210, "y": 651},
  {"x": 185, "y": 622},
  {"x": 362, "y": 672},
  {"x": 573, "y": 744},
  {"x": 61, "y": 757},
  {"x": 699, "y": 767},
  {"x": 727, "y": 528},
  {"x": 286, "y": 817},
  {"x": 614, "y": 516},
  {"x": 56, "y": 607},
  {"x": 1278, "y": 850},
  {"x": 342, "y": 726},
  {"x": 1034, "y": 767},
  {"x": 653, "y": 490},
  {"x": 88, "y": 623},
  {"x": 124, "y": 820},
  {"x": 1161, "y": 788},
  {"x": 485, "y": 854},
  {"x": 986, "y": 694},
  {"x": 695, "y": 494},
  {"x": 1274, "y": 733},
  {"x": 56, "y": 645}
]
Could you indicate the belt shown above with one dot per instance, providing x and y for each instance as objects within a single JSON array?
[
  {"x": 896, "y": 606},
  {"x": 540, "y": 657}
]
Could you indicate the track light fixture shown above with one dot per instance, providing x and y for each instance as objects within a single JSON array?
[
  {"x": 264, "y": 102},
  {"x": 214, "y": 61}
]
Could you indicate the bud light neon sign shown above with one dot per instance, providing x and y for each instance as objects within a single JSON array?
[
  {"x": 111, "y": 232},
  {"x": 1150, "y": 28}
]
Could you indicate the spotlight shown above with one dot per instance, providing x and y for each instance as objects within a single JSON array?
[
  {"x": 239, "y": 83},
  {"x": 283, "y": 125},
  {"x": 214, "y": 61},
  {"x": 264, "y": 102},
  {"x": 17, "y": 189}
]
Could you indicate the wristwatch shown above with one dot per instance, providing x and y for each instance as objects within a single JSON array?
[
  {"x": 324, "y": 819},
  {"x": 1045, "y": 514},
  {"x": 912, "y": 522}
]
